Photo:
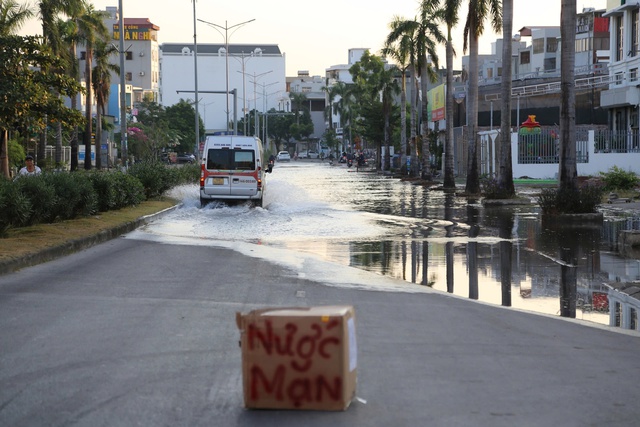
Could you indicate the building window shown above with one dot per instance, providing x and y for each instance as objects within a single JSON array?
[
  {"x": 550, "y": 64},
  {"x": 128, "y": 76},
  {"x": 83, "y": 55},
  {"x": 552, "y": 44},
  {"x": 619, "y": 78},
  {"x": 634, "y": 32},
  {"x": 525, "y": 57},
  {"x": 619, "y": 39},
  {"x": 538, "y": 46},
  {"x": 489, "y": 73},
  {"x": 129, "y": 55},
  {"x": 633, "y": 74}
]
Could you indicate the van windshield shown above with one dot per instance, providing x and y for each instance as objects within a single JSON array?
[{"x": 225, "y": 159}]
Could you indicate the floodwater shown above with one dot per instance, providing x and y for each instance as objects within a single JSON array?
[{"x": 340, "y": 227}]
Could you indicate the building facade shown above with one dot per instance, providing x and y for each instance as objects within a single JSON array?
[{"x": 253, "y": 73}]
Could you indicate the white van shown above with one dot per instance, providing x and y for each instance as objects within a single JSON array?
[{"x": 233, "y": 168}]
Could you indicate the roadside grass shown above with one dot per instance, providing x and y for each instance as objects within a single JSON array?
[{"x": 24, "y": 241}]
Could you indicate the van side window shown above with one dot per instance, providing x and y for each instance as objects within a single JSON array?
[
  {"x": 244, "y": 160},
  {"x": 218, "y": 159}
]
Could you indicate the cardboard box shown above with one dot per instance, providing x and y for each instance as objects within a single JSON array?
[{"x": 299, "y": 358}]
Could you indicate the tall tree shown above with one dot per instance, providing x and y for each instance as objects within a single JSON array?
[
  {"x": 13, "y": 16},
  {"x": 399, "y": 46},
  {"x": 450, "y": 14},
  {"x": 429, "y": 36},
  {"x": 567, "y": 168},
  {"x": 91, "y": 29},
  {"x": 479, "y": 11},
  {"x": 373, "y": 82},
  {"x": 102, "y": 87},
  {"x": 505, "y": 174},
  {"x": 26, "y": 97}
]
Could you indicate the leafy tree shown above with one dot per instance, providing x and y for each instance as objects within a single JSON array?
[
  {"x": 428, "y": 36},
  {"x": 450, "y": 16},
  {"x": 101, "y": 77},
  {"x": 13, "y": 16},
  {"x": 400, "y": 47},
  {"x": 26, "y": 98},
  {"x": 180, "y": 118},
  {"x": 374, "y": 82},
  {"x": 479, "y": 11},
  {"x": 505, "y": 174},
  {"x": 567, "y": 167},
  {"x": 91, "y": 30}
]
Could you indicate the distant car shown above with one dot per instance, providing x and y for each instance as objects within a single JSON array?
[
  {"x": 302, "y": 155},
  {"x": 186, "y": 158},
  {"x": 283, "y": 156},
  {"x": 313, "y": 154}
]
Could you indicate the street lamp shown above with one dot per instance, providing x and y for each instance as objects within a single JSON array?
[{"x": 226, "y": 29}]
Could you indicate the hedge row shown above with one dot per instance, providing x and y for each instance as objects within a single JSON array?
[{"x": 51, "y": 197}]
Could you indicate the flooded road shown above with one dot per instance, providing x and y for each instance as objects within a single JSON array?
[{"x": 338, "y": 226}]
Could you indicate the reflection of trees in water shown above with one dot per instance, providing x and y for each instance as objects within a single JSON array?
[{"x": 472, "y": 248}]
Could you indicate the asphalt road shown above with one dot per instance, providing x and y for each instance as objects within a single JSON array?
[{"x": 140, "y": 333}]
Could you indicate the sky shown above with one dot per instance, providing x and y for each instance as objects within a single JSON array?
[{"x": 313, "y": 36}]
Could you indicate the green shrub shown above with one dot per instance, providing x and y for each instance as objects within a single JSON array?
[
  {"x": 104, "y": 185},
  {"x": 619, "y": 179},
  {"x": 76, "y": 196},
  {"x": 154, "y": 176},
  {"x": 42, "y": 196},
  {"x": 129, "y": 190},
  {"x": 491, "y": 189},
  {"x": 15, "y": 207},
  {"x": 584, "y": 199},
  {"x": 188, "y": 174}
]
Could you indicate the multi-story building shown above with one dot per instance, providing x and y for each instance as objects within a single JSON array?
[
  {"x": 622, "y": 98},
  {"x": 253, "y": 74},
  {"x": 313, "y": 87}
]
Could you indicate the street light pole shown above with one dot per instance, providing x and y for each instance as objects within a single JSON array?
[
  {"x": 226, "y": 29},
  {"x": 123, "y": 89},
  {"x": 195, "y": 75}
]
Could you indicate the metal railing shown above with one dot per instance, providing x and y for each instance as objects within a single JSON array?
[
  {"x": 609, "y": 141},
  {"x": 544, "y": 147}
]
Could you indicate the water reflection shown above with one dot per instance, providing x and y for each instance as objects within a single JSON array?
[{"x": 504, "y": 256}]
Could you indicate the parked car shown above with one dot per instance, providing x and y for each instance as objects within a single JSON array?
[
  {"x": 302, "y": 155},
  {"x": 283, "y": 156},
  {"x": 186, "y": 158},
  {"x": 313, "y": 154}
]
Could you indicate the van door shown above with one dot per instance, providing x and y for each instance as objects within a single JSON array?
[
  {"x": 244, "y": 180},
  {"x": 218, "y": 182}
]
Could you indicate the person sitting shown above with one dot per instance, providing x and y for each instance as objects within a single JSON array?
[{"x": 30, "y": 168}]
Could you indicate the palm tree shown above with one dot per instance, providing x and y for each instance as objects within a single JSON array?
[
  {"x": 49, "y": 11},
  {"x": 102, "y": 87},
  {"x": 91, "y": 29},
  {"x": 399, "y": 46},
  {"x": 450, "y": 16},
  {"x": 479, "y": 11},
  {"x": 12, "y": 16},
  {"x": 505, "y": 174},
  {"x": 429, "y": 36},
  {"x": 567, "y": 168}
]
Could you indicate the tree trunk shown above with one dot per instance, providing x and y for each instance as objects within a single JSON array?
[
  {"x": 424, "y": 149},
  {"x": 449, "y": 175},
  {"x": 505, "y": 174},
  {"x": 98, "y": 139},
  {"x": 4, "y": 153},
  {"x": 415, "y": 99},
  {"x": 403, "y": 125},
  {"x": 473, "y": 174},
  {"x": 424, "y": 117},
  {"x": 567, "y": 168},
  {"x": 88, "y": 110}
]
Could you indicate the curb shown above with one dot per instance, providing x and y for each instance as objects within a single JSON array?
[{"x": 77, "y": 245}]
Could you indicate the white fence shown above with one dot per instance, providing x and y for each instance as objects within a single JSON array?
[{"x": 538, "y": 158}]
